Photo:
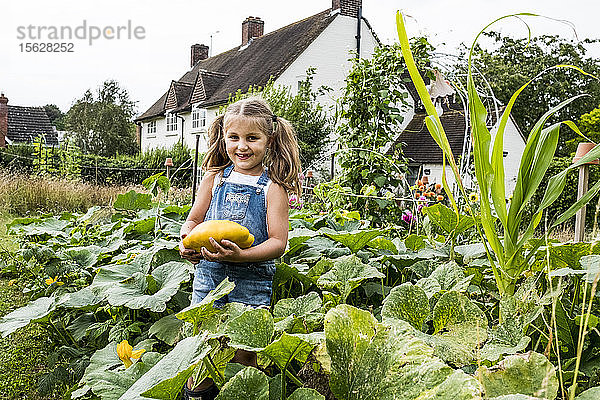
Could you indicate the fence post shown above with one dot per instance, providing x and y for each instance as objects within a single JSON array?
[
  {"x": 169, "y": 164},
  {"x": 582, "y": 187}
]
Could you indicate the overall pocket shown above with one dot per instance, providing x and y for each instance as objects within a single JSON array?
[{"x": 236, "y": 205}]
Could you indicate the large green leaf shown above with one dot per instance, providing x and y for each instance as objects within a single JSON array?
[
  {"x": 164, "y": 390},
  {"x": 505, "y": 338},
  {"x": 167, "y": 329},
  {"x": 250, "y": 383},
  {"x": 529, "y": 374},
  {"x": 298, "y": 315},
  {"x": 196, "y": 314},
  {"x": 306, "y": 394},
  {"x": 133, "y": 201},
  {"x": 85, "y": 256},
  {"x": 591, "y": 264},
  {"x": 296, "y": 239},
  {"x": 32, "y": 312},
  {"x": 451, "y": 277},
  {"x": 347, "y": 274},
  {"x": 47, "y": 227},
  {"x": 105, "y": 362},
  {"x": 112, "y": 384},
  {"x": 251, "y": 331},
  {"x": 354, "y": 240},
  {"x": 187, "y": 352},
  {"x": 590, "y": 394},
  {"x": 133, "y": 291},
  {"x": 299, "y": 306},
  {"x": 460, "y": 327},
  {"x": 448, "y": 220},
  {"x": 374, "y": 361},
  {"x": 408, "y": 303},
  {"x": 287, "y": 348}
]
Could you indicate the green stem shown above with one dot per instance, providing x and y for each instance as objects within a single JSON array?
[
  {"x": 294, "y": 378},
  {"x": 59, "y": 333},
  {"x": 582, "y": 333},
  {"x": 214, "y": 371}
]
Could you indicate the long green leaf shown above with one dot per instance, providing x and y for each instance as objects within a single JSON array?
[{"x": 579, "y": 204}]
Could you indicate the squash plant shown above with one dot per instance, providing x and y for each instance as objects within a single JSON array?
[{"x": 509, "y": 255}]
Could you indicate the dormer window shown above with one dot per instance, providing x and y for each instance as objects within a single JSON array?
[
  {"x": 199, "y": 119},
  {"x": 171, "y": 122}
]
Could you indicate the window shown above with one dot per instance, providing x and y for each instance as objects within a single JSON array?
[
  {"x": 199, "y": 119},
  {"x": 151, "y": 128},
  {"x": 171, "y": 122}
]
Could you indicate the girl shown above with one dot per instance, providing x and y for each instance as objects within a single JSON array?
[{"x": 252, "y": 164}]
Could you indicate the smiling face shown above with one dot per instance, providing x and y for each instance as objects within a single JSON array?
[{"x": 246, "y": 145}]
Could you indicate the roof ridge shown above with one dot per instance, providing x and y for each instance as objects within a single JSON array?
[
  {"x": 293, "y": 23},
  {"x": 236, "y": 48}
]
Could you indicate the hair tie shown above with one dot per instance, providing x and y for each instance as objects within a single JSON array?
[{"x": 274, "y": 118}]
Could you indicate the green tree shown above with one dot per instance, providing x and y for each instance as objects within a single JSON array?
[
  {"x": 515, "y": 61},
  {"x": 56, "y": 116},
  {"x": 102, "y": 124},
  {"x": 372, "y": 107},
  {"x": 312, "y": 124}
]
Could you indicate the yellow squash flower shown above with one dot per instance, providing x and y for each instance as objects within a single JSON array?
[
  {"x": 126, "y": 353},
  {"x": 50, "y": 281}
]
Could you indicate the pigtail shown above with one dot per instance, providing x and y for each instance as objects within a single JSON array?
[
  {"x": 284, "y": 157},
  {"x": 216, "y": 156}
]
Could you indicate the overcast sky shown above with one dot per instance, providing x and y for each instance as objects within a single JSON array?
[{"x": 146, "y": 66}]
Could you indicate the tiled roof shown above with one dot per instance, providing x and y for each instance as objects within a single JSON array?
[
  {"x": 25, "y": 124},
  {"x": 243, "y": 66},
  {"x": 419, "y": 146}
]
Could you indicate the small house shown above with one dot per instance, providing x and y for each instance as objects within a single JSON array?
[
  {"x": 323, "y": 41},
  {"x": 19, "y": 124}
]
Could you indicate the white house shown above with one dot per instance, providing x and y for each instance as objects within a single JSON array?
[
  {"x": 323, "y": 41},
  {"x": 425, "y": 156}
]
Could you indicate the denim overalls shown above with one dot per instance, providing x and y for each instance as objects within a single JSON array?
[{"x": 245, "y": 205}]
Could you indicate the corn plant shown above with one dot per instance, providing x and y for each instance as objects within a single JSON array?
[{"x": 510, "y": 252}]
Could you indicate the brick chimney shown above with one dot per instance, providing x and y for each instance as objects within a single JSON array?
[
  {"x": 347, "y": 7},
  {"x": 199, "y": 52},
  {"x": 251, "y": 28},
  {"x": 3, "y": 120}
]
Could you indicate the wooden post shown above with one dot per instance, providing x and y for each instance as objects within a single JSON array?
[{"x": 582, "y": 188}]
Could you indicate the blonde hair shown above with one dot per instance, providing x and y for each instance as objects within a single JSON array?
[{"x": 282, "y": 159}]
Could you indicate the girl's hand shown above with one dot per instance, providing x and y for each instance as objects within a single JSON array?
[
  {"x": 189, "y": 254},
  {"x": 226, "y": 251}
]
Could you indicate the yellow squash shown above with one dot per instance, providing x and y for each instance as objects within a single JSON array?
[{"x": 218, "y": 230}]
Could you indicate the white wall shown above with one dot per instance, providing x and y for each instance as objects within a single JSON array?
[
  {"x": 162, "y": 138},
  {"x": 330, "y": 54},
  {"x": 514, "y": 145}
]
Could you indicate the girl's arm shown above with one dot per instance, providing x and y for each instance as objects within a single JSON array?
[
  {"x": 273, "y": 247},
  {"x": 196, "y": 215}
]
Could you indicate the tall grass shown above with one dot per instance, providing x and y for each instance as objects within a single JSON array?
[
  {"x": 33, "y": 194},
  {"x": 24, "y": 195}
]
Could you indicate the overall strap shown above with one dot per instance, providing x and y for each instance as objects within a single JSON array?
[
  {"x": 227, "y": 171},
  {"x": 264, "y": 178}
]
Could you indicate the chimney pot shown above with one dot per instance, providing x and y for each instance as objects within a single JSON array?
[
  {"x": 252, "y": 27},
  {"x": 199, "y": 52}
]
